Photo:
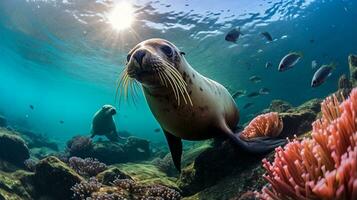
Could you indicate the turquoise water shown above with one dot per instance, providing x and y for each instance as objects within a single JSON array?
[{"x": 64, "y": 58}]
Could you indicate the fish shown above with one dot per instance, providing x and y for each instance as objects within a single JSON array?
[
  {"x": 253, "y": 94},
  {"x": 61, "y": 121},
  {"x": 322, "y": 74},
  {"x": 255, "y": 79},
  {"x": 312, "y": 41},
  {"x": 289, "y": 61},
  {"x": 248, "y": 105},
  {"x": 32, "y": 107},
  {"x": 264, "y": 91},
  {"x": 313, "y": 64},
  {"x": 267, "y": 36},
  {"x": 233, "y": 35},
  {"x": 140, "y": 150},
  {"x": 156, "y": 130},
  {"x": 268, "y": 65},
  {"x": 238, "y": 94}
]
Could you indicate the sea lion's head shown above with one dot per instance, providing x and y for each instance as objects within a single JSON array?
[
  {"x": 155, "y": 64},
  {"x": 108, "y": 110},
  {"x": 148, "y": 58}
]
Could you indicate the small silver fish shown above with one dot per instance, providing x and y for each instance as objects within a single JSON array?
[
  {"x": 255, "y": 79},
  {"x": 264, "y": 91},
  {"x": 268, "y": 65},
  {"x": 289, "y": 61},
  {"x": 313, "y": 64},
  {"x": 140, "y": 150},
  {"x": 238, "y": 94},
  {"x": 233, "y": 35},
  {"x": 253, "y": 94},
  {"x": 322, "y": 74}
]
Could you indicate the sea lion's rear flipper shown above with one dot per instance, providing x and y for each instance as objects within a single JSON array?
[
  {"x": 260, "y": 145},
  {"x": 175, "y": 146}
]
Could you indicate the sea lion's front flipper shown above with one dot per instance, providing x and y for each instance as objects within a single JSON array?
[
  {"x": 260, "y": 145},
  {"x": 175, "y": 146}
]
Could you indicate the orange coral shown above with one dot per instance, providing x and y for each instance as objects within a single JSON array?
[
  {"x": 269, "y": 124},
  {"x": 323, "y": 167}
]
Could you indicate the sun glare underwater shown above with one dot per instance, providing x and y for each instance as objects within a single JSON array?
[{"x": 178, "y": 99}]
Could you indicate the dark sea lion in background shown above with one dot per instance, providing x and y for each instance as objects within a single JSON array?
[
  {"x": 103, "y": 123},
  {"x": 186, "y": 104}
]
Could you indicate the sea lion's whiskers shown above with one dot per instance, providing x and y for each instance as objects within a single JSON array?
[
  {"x": 182, "y": 84},
  {"x": 172, "y": 84}
]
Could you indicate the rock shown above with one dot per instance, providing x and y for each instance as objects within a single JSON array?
[
  {"x": 109, "y": 152},
  {"x": 80, "y": 146},
  {"x": 298, "y": 120},
  {"x": 3, "y": 121},
  {"x": 352, "y": 60},
  {"x": 279, "y": 106},
  {"x": 137, "y": 149},
  {"x": 12, "y": 148},
  {"x": 134, "y": 149},
  {"x": 210, "y": 167},
  {"x": 108, "y": 176},
  {"x": 147, "y": 174},
  {"x": 54, "y": 178},
  {"x": 13, "y": 186}
]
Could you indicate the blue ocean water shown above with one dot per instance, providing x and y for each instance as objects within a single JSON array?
[{"x": 65, "y": 58}]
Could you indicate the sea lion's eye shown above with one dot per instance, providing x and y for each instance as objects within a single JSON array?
[
  {"x": 128, "y": 57},
  {"x": 167, "y": 50}
]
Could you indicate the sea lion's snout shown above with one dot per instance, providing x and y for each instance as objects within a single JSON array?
[
  {"x": 112, "y": 111},
  {"x": 139, "y": 63}
]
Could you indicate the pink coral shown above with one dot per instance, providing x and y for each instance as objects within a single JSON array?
[
  {"x": 269, "y": 124},
  {"x": 323, "y": 167}
]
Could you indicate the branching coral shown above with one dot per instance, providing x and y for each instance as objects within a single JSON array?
[
  {"x": 323, "y": 167},
  {"x": 84, "y": 189},
  {"x": 87, "y": 166},
  {"x": 269, "y": 124},
  {"x": 122, "y": 189}
]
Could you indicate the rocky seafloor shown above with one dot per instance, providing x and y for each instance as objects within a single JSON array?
[{"x": 32, "y": 167}]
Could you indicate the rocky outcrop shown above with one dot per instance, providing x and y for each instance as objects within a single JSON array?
[
  {"x": 134, "y": 149},
  {"x": 352, "y": 61},
  {"x": 53, "y": 178},
  {"x": 12, "y": 148},
  {"x": 297, "y": 121}
]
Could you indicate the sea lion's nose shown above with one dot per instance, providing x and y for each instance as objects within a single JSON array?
[{"x": 139, "y": 55}]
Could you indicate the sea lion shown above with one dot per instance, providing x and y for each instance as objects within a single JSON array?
[
  {"x": 103, "y": 123},
  {"x": 186, "y": 104}
]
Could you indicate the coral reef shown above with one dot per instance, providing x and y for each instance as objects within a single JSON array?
[
  {"x": 109, "y": 152},
  {"x": 12, "y": 187},
  {"x": 109, "y": 175},
  {"x": 54, "y": 178},
  {"x": 352, "y": 60},
  {"x": 323, "y": 167},
  {"x": 122, "y": 189},
  {"x": 12, "y": 148},
  {"x": 279, "y": 106},
  {"x": 269, "y": 124},
  {"x": 147, "y": 174},
  {"x": 79, "y": 146},
  {"x": 87, "y": 167}
]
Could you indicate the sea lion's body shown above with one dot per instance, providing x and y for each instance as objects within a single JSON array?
[
  {"x": 212, "y": 113},
  {"x": 212, "y": 105},
  {"x": 103, "y": 123}
]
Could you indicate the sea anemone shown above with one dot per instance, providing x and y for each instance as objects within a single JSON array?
[
  {"x": 323, "y": 167},
  {"x": 87, "y": 166},
  {"x": 269, "y": 124}
]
